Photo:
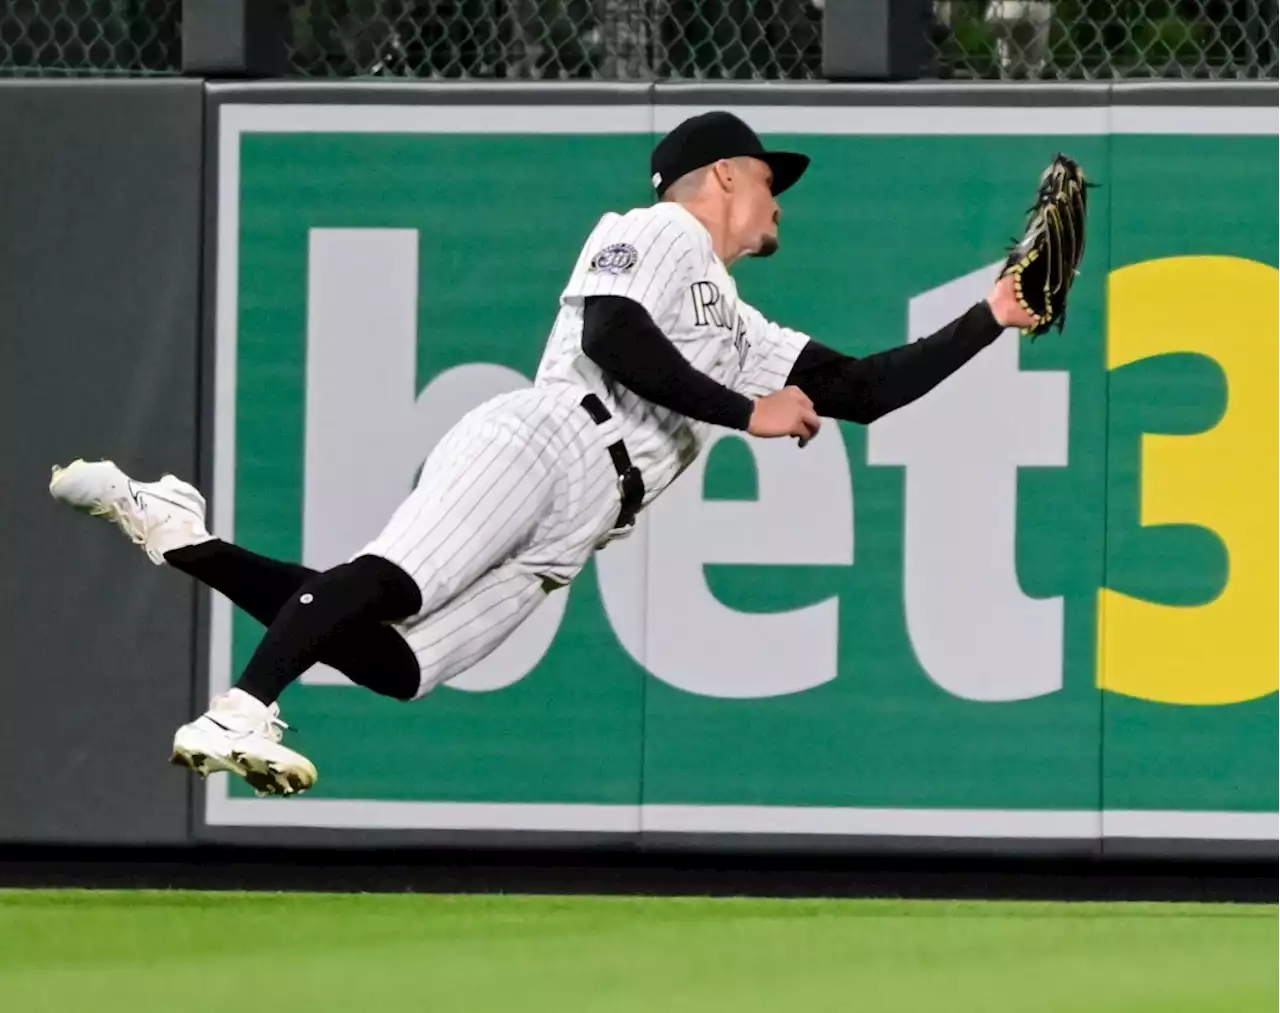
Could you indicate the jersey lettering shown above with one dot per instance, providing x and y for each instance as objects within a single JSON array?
[
  {"x": 707, "y": 307},
  {"x": 740, "y": 341}
]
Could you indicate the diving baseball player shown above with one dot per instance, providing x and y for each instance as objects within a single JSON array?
[{"x": 651, "y": 347}]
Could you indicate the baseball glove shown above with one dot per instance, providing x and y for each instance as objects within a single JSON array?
[{"x": 1045, "y": 260}]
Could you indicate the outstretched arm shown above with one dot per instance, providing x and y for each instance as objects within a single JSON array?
[{"x": 863, "y": 390}]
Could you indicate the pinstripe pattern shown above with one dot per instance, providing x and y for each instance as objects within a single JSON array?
[
  {"x": 522, "y": 487},
  {"x": 773, "y": 352},
  {"x": 471, "y": 626},
  {"x": 673, "y": 254}
]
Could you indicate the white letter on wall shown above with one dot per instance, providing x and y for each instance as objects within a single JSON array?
[
  {"x": 685, "y": 637},
  {"x": 975, "y": 632},
  {"x": 367, "y": 430}
]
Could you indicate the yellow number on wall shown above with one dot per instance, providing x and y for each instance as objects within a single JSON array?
[{"x": 1224, "y": 479}]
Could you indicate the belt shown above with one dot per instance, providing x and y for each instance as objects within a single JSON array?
[{"x": 630, "y": 481}]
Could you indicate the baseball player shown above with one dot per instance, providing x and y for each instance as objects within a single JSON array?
[{"x": 651, "y": 347}]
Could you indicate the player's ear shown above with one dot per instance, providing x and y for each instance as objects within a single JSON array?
[{"x": 724, "y": 171}]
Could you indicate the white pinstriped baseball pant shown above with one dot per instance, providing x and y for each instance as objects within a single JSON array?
[{"x": 520, "y": 490}]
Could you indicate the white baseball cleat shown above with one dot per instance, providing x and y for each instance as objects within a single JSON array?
[
  {"x": 159, "y": 516},
  {"x": 241, "y": 735}
]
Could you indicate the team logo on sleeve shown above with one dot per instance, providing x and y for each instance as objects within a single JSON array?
[{"x": 616, "y": 259}]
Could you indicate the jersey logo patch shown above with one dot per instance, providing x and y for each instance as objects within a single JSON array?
[{"x": 616, "y": 259}]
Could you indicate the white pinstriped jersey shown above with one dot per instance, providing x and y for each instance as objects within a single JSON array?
[
  {"x": 521, "y": 491},
  {"x": 661, "y": 257}
]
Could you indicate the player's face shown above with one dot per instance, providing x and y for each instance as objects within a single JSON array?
[{"x": 755, "y": 211}]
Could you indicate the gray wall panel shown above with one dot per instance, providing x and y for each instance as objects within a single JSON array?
[
  {"x": 99, "y": 284},
  {"x": 913, "y": 93}
]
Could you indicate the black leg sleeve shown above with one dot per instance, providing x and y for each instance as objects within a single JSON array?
[
  {"x": 376, "y": 657},
  {"x": 327, "y": 611},
  {"x": 258, "y": 584}
]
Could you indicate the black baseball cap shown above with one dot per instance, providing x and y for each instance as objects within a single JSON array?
[{"x": 701, "y": 140}]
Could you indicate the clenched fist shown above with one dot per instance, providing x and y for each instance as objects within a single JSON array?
[{"x": 789, "y": 412}]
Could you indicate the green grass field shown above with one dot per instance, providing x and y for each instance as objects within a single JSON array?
[{"x": 99, "y": 952}]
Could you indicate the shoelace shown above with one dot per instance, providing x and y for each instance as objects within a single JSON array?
[
  {"x": 123, "y": 520},
  {"x": 270, "y": 726},
  {"x": 276, "y": 727}
]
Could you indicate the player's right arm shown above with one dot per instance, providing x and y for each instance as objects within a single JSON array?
[
  {"x": 621, "y": 338},
  {"x": 630, "y": 279}
]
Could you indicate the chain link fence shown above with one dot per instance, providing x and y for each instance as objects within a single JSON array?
[
  {"x": 640, "y": 40},
  {"x": 567, "y": 40},
  {"x": 90, "y": 37},
  {"x": 1105, "y": 39}
]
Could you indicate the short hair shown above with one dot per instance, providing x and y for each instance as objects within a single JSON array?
[
  {"x": 692, "y": 181},
  {"x": 687, "y": 184}
]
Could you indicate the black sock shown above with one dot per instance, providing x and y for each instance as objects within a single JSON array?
[
  {"x": 257, "y": 584},
  {"x": 325, "y": 613}
]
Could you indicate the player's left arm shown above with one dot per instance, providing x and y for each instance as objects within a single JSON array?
[{"x": 865, "y": 389}]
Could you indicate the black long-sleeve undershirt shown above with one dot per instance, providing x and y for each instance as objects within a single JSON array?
[
  {"x": 863, "y": 390},
  {"x": 621, "y": 338}
]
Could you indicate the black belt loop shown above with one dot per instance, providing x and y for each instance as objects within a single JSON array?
[{"x": 630, "y": 481}]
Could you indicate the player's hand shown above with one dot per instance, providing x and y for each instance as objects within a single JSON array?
[
  {"x": 1006, "y": 308},
  {"x": 789, "y": 412}
]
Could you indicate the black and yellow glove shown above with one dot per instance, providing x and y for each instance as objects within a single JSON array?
[{"x": 1044, "y": 263}]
